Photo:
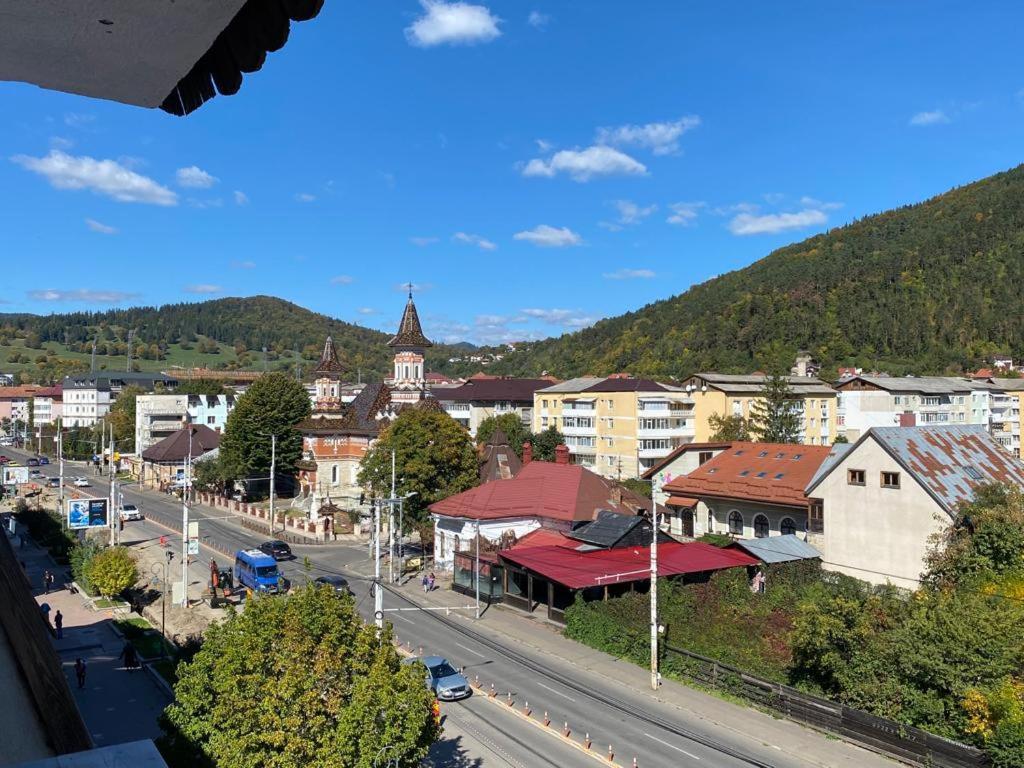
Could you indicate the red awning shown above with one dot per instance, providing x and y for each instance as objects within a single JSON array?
[
  {"x": 577, "y": 570},
  {"x": 681, "y": 501}
]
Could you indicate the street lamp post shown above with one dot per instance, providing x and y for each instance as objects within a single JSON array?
[
  {"x": 184, "y": 517},
  {"x": 273, "y": 471}
]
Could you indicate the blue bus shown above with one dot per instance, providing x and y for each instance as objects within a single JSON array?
[{"x": 257, "y": 571}]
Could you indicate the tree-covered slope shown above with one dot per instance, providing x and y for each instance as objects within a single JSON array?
[
  {"x": 240, "y": 323},
  {"x": 924, "y": 288}
]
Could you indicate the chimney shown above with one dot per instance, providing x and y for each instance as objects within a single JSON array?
[
  {"x": 616, "y": 494},
  {"x": 527, "y": 453},
  {"x": 561, "y": 454}
]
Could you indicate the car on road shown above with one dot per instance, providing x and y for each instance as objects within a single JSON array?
[
  {"x": 53, "y": 482},
  {"x": 32, "y": 463},
  {"x": 338, "y": 583},
  {"x": 4, "y": 459},
  {"x": 277, "y": 549},
  {"x": 81, "y": 482},
  {"x": 130, "y": 512},
  {"x": 35, "y": 474},
  {"x": 43, "y": 461},
  {"x": 447, "y": 683}
]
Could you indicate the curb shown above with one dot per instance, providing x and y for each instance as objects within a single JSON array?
[{"x": 525, "y": 714}]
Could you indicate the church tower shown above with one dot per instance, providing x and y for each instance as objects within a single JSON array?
[
  {"x": 327, "y": 379},
  {"x": 409, "y": 381}
]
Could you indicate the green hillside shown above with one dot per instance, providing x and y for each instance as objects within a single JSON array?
[
  {"x": 925, "y": 288},
  {"x": 223, "y": 333}
]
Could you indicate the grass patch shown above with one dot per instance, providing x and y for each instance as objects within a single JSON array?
[
  {"x": 106, "y": 602},
  {"x": 168, "y": 669},
  {"x": 145, "y": 638}
]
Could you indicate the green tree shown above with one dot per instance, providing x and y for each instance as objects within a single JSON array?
[
  {"x": 510, "y": 424},
  {"x": 112, "y": 571},
  {"x": 295, "y": 681},
  {"x": 199, "y": 387},
  {"x": 273, "y": 405},
  {"x": 728, "y": 429},
  {"x": 545, "y": 442},
  {"x": 774, "y": 417},
  {"x": 434, "y": 456},
  {"x": 122, "y": 418}
]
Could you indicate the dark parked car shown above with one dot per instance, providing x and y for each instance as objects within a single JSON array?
[
  {"x": 277, "y": 549},
  {"x": 338, "y": 583},
  {"x": 43, "y": 461},
  {"x": 32, "y": 463}
]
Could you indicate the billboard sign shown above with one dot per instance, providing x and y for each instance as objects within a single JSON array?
[
  {"x": 14, "y": 475},
  {"x": 87, "y": 513}
]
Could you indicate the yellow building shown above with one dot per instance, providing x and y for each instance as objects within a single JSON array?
[
  {"x": 617, "y": 426},
  {"x": 734, "y": 395}
]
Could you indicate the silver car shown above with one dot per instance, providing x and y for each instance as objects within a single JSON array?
[{"x": 447, "y": 683}]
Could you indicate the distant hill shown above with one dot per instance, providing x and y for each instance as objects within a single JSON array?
[
  {"x": 219, "y": 333},
  {"x": 925, "y": 288}
]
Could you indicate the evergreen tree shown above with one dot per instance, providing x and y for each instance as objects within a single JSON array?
[
  {"x": 545, "y": 442},
  {"x": 774, "y": 416}
]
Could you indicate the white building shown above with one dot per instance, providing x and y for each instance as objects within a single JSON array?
[
  {"x": 480, "y": 398},
  {"x": 160, "y": 416},
  {"x": 47, "y": 405},
  {"x": 88, "y": 396}
]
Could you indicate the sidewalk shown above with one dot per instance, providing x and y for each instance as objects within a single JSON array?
[
  {"x": 514, "y": 628},
  {"x": 118, "y": 706}
]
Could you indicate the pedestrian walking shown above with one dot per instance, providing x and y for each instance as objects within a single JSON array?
[
  {"x": 80, "y": 672},
  {"x": 426, "y": 583},
  {"x": 129, "y": 656},
  {"x": 58, "y": 622},
  {"x": 45, "y": 608},
  {"x": 46, "y": 582},
  {"x": 430, "y": 582}
]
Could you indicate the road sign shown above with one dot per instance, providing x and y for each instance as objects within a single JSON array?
[
  {"x": 193, "y": 546},
  {"x": 87, "y": 513},
  {"x": 193, "y": 530},
  {"x": 13, "y": 475}
]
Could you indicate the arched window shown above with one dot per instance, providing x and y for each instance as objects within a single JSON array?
[
  {"x": 761, "y": 527},
  {"x": 787, "y": 526},
  {"x": 334, "y": 474},
  {"x": 736, "y": 523},
  {"x": 711, "y": 520},
  {"x": 406, "y": 372}
]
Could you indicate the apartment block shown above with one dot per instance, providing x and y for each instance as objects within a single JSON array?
[
  {"x": 617, "y": 426},
  {"x": 735, "y": 395},
  {"x": 160, "y": 416},
  {"x": 480, "y": 398}
]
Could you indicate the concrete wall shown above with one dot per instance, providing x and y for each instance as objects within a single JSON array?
[
  {"x": 876, "y": 534},
  {"x": 720, "y": 510}
]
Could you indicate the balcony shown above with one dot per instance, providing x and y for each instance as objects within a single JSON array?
[
  {"x": 584, "y": 431},
  {"x": 654, "y": 453},
  {"x": 578, "y": 409},
  {"x": 681, "y": 430}
]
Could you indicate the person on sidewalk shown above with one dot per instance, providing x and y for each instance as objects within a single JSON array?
[
  {"x": 431, "y": 579},
  {"x": 58, "y": 622},
  {"x": 45, "y": 609},
  {"x": 426, "y": 583},
  {"x": 46, "y": 582},
  {"x": 80, "y": 672},
  {"x": 128, "y": 654}
]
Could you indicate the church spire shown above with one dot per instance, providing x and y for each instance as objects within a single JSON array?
[
  {"x": 329, "y": 364},
  {"x": 410, "y": 333}
]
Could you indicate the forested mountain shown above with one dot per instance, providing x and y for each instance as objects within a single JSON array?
[
  {"x": 926, "y": 288},
  {"x": 244, "y": 325}
]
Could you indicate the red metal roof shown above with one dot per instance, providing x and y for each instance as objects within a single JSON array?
[
  {"x": 773, "y": 473},
  {"x": 542, "y": 489},
  {"x": 577, "y": 570}
]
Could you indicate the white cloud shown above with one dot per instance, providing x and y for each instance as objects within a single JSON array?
[
  {"x": 366, "y": 311},
  {"x": 537, "y": 19},
  {"x": 241, "y": 198},
  {"x": 243, "y": 264},
  {"x": 103, "y": 229},
  {"x": 684, "y": 214},
  {"x": 214, "y": 202},
  {"x": 549, "y": 237},
  {"x": 59, "y": 142},
  {"x": 79, "y": 119},
  {"x": 566, "y": 318},
  {"x": 195, "y": 177},
  {"x": 454, "y": 23},
  {"x": 342, "y": 280},
  {"x": 471, "y": 239},
  {"x": 104, "y": 177},
  {"x": 423, "y": 241},
  {"x": 630, "y": 274},
  {"x": 631, "y": 213},
  {"x": 661, "y": 138},
  {"x": 582, "y": 165},
  {"x": 82, "y": 294},
  {"x": 304, "y": 197},
  {"x": 771, "y": 223},
  {"x": 415, "y": 287},
  {"x": 810, "y": 202},
  {"x": 543, "y": 145},
  {"x": 933, "y": 117},
  {"x": 203, "y": 288}
]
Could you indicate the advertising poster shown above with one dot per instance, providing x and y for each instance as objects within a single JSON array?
[
  {"x": 13, "y": 475},
  {"x": 87, "y": 513}
]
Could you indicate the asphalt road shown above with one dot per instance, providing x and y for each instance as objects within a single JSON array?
[{"x": 636, "y": 725}]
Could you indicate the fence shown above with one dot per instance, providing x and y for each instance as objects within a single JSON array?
[{"x": 904, "y": 742}]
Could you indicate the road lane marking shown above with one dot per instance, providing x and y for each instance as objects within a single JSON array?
[
  {"x": 557, "y": 693},
  {"x": 672, "y": 746},
  {"x": 470, "y": 650}
]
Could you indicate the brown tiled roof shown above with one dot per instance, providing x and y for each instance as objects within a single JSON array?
[
  {"x": 772, "y": 473},
  {"x": 515, "y": 390},
  {"x": 357, "y": 418},
  {"x": 619, "y": 384},
  {"x": 175, "y": 448},
  {"x": 410, "y": 334},
  {"x": 329, "y": 365},
  {"x": 13, "y": 393}
]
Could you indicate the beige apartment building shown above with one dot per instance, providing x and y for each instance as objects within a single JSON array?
[
  {"x": 617, "y": 426},
  {"x": 734, "y": 395}
]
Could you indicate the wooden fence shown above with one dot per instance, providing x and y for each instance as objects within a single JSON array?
[{"x": 904, "y": 742}]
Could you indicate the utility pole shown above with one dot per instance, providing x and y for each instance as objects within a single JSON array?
[
  {"x": 391, "y": 523},
  {"x": 478, "y": 569},
  {"x": 110, "y": 504},
  {"x": 60, "y": 468},
  {"x": 378, "y": 593},
  {"x": 654, "y": 588},
  {"x": 273, "y": 471},
  {"x": 184, "y": 517}
]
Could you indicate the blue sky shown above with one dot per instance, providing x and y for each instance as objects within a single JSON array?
[{"x": 530, "y": 166}]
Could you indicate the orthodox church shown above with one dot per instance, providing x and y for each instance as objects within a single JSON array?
[{"x": 337, "y": 435}]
